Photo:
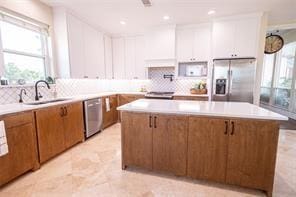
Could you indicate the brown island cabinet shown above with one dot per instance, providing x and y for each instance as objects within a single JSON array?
[{"x": 238, "y": 151}]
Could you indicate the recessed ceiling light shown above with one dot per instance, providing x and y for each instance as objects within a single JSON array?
[
  {"x": 123, "y": 22},
  {"x": 211, "y": 12},
  {"x": 166, "y": 17}
]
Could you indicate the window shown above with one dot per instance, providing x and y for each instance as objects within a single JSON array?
[
  {"x": 25, "y": 51},
  {"x": 267, "y": 78},
  {"x": 279, "y": 75}
]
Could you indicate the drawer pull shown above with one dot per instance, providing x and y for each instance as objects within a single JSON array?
[
  {"x": 226, "y": 127},
  {"x": 232, "y": 129}
]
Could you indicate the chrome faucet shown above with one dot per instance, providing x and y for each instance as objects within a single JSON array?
[
  {"x": 37, "y": 94},
  {"x": 21, "y": 95}
]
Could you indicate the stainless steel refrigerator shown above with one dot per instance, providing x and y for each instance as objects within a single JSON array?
[{"x": 233, "y": 80}]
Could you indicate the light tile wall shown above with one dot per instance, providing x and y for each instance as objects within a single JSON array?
[
  {"x": 11, "y": 94},
  {"x": 72, "y": 87},
  {"x": 158, "y": 83}
]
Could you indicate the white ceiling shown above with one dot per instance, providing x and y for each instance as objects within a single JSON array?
[{"x": 107, "y": 14}]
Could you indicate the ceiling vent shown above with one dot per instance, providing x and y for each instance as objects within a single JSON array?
[{"x": 147, "y": 3}]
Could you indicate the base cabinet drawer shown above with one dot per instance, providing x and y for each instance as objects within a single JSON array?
[
  {"x": 22, "y": 148},
  {"x": 59, "y": 128}
]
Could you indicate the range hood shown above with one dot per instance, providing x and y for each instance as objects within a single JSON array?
[{"x": 160, "y": 63}]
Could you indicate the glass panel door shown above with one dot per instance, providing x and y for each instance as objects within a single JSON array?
[{"x": 284, "y": 75}]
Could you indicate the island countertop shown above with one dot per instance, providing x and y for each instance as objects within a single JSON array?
[{"x": 202, "y": 108}]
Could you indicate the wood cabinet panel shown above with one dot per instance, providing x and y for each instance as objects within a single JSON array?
[
  {"x": 22, "y": 146},
  {"x": 73, "y": 124},
  {"x": 192, "y": 98},
  {"x": 252, "y": 153},
  {"x": 58, "y": 128},
  {"x": 110, "y": 117},
  {"x": 207, "y": 148},
  {"x": 170, "y": 135},
  {"x": 127, "y": 98},
  {"x": 136, "y": 140},
  {"x": 50, "y": 132},
  {"x": 18, "y": 119}
]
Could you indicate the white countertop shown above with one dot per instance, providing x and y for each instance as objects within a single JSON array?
[
  {"x": 202, "y": 108},
  {"x": 20, "y": 107}
]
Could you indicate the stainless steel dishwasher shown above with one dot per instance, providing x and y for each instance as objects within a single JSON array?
[{"x": 93, "y": 116}]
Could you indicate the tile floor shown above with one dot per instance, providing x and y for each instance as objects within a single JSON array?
[{"x": 93, "y": 168}]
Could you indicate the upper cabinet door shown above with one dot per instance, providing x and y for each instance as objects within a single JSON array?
[
  {"x": 141, "y": 70},
  {"x": 246, "y": 37},
  {"x": 130, "y": 58},
  {"x": 223, "y": 39},
  {"x": 236, "y": 37},
  {"x": 160, "y": 43},
  {"x": 94, "y": 53},
  {"x": 76, "y": 46},
  {"x": 118, "y": 45},
  {"x": 108, "y": 57},
  {"x": 202, "y": 43},
  {"x": 185, "y": 42}
]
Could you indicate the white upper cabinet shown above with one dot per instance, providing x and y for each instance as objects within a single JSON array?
[
  {"x": 93, "y": 53},
  {"x": 141, "y": 70},
  {"x": 80, "y": 47},
  {"x": 185, "y": 42},
  {"x": 247, "y": 37},
  {"x": 108, "y": 57},
  {"x": 128, "y": 57},
  {"x": 237, "y": 37},
  {"x": 160, "y": 43},
  {"x": 194, "y": 43},
  {"x": 118, "y": 47},
  {"x": 202, "y": 43},
  {"x": 76, "y": 46}
]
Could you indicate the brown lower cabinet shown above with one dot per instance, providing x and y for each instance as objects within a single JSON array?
[
  {"x": 22, "y": 146},
  {"x": 234, "y": 151},
  {"x": 110, "y": 117},
  {"x": 127, "y": 98},
  {"x": 191, "y": 98},
  {"x": 154, "y": 141},
  {"x": 58, "y": 128}
]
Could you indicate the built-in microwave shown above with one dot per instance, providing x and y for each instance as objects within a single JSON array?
[{"x": 193, "y": 69}]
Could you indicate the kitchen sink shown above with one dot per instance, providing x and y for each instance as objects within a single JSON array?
[{"x": 48, "y": 101}]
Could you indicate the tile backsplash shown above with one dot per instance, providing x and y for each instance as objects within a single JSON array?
[
  {"x": 159, "y": 83},
  {"x": 72, "y": 87},
  {"x": 10, "y": 94}
]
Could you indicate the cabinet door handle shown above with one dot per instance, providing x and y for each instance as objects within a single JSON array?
[
  {"x": 150, "y": 121},
  {"x": 155, "y": 122},
  {"x": 226, "y": 127},
  {"x": 66, "y": 111},
  {"x": 232, "y": 129},
  {"x": 61, "y": 111}
]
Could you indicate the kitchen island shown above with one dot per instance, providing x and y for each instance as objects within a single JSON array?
[{"x": 227, "y": 142}]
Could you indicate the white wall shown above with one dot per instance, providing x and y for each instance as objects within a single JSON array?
[{"x": 260, "y": 59}]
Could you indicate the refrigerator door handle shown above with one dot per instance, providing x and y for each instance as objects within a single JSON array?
[{"x": 230, "y": 82}]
